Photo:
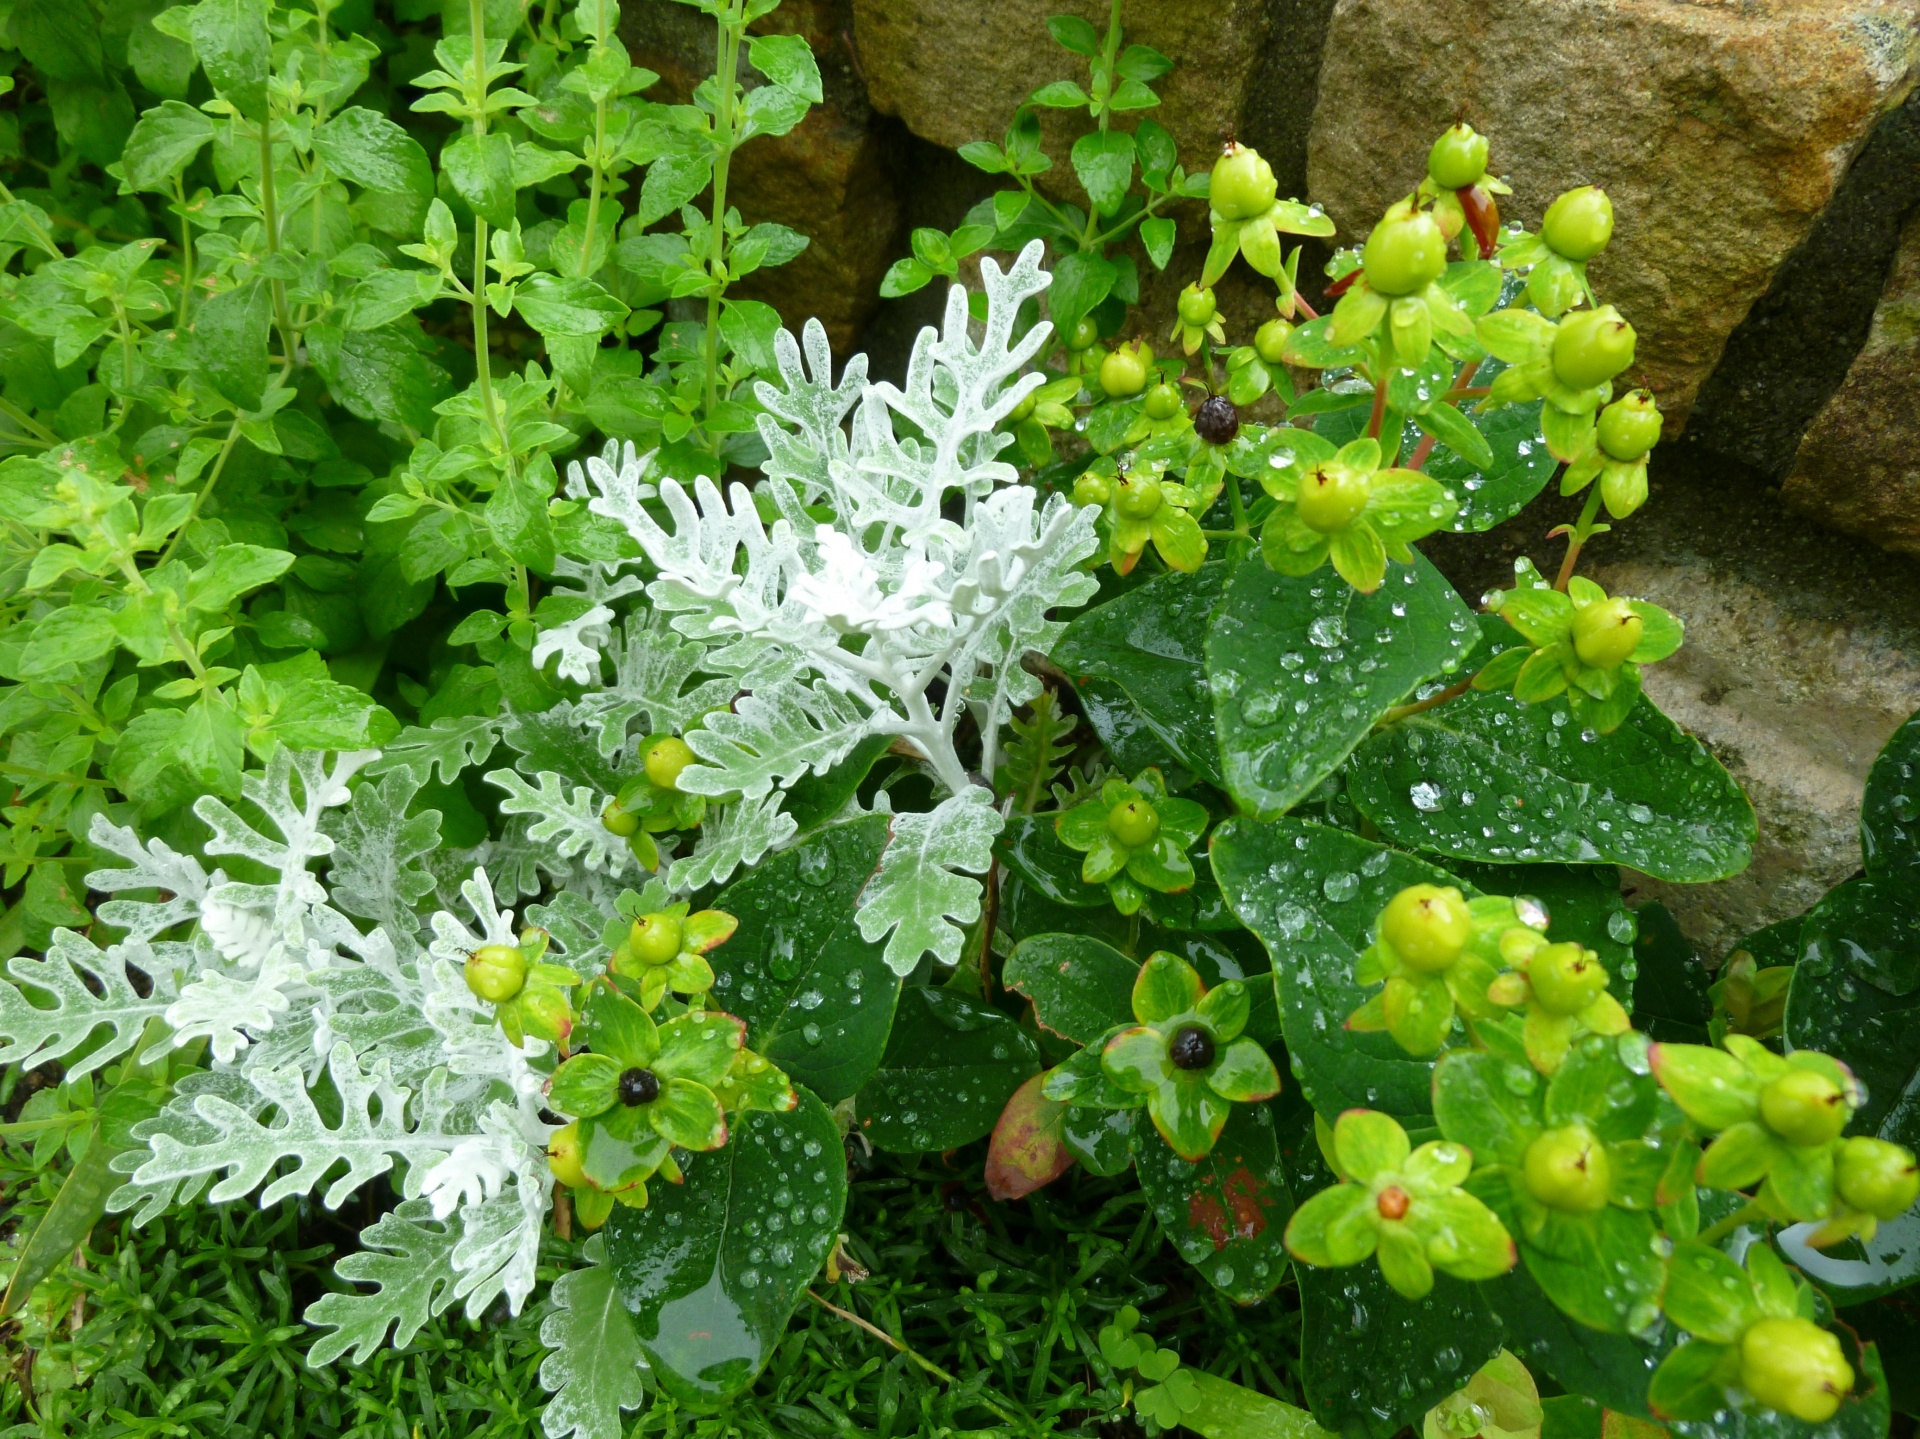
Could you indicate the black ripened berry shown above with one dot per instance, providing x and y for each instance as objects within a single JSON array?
[
  {"x": 639, "y": 1086},
  {"x": 1216, "y": 421},
  {"x": 1190, "y": 1048}
]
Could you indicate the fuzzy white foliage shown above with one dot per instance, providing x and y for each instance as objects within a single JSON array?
[{"x": 847, "y": 626}]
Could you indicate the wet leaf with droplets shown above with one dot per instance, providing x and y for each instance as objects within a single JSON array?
[
  {"x": 818, "y": 999},
  {"x": 1890, "y": 812},
  {"x": 1275, "y": 877},
  {"x": 711, "y": 1269},
  {"x": 1226, "y": 1213},
  {"x": 1080, "y": 988},
  {"x": 950, "y": 1067},
  {"x": 1302, "y": 668}
]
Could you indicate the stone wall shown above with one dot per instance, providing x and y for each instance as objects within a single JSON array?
[{"x": 1764, "y": 159}]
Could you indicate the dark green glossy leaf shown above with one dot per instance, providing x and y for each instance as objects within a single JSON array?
[
  {"x": 1139, "y": 662},
  {"x": 1030, "y": 848},
  {"x": 1492, "y": 494},
  {"x": 1026, "y": 911},
  {"x": 1890, "y": 812},
  {"x": 711, "y": 1269},
  {"x": 230, "y": 342},
  {"x": 1225, "y": 1214},
  {"x": 817, "y": 998},
  {"x": 1372, "y": 1361},
  {"x": 815, "y": 799},
  {"x": 1301, "y": 669},
  {"x": 950, "y": 1066},
  {"x": 1312, "y": 895},
  {"x": 1080, "y": 988},
  {"x": 1670, "y": 1000},
  {"x": 1610, "y": 1368},
  {"x": 1485, "y": 777},
  {"x": 1856, "y": 995}
]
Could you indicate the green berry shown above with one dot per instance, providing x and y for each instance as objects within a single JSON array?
[
  {"x": 655, "y": 938},
  {"x": 1579, "y": 223},
  {"x": 1566, "y": 978},
  {"x": 1795, "y": 1366},
  {"x": 1332, "y": 496},
  {"x": 1804, "y": 1106},
  {"x": 1197, "y": 307},
  {"x": 1138, "y": 497},
  {"x": 566, "y": 1156},
  {"x": 1406, "y": 252},
  {"x": 1085, "y": 332},
  {"x": 1092, "y": 489},
  {"x": 1133, "y": 822},
  {"x": 1591, "y": 347},
  {"x": 1458, "y": 158},
  {"x": 1567, "y": 1169},
  {"x": 496, "y": 972},
  {"x": 1025, "y": 408},
  {"x": 1125, "y": 371},
  {"x": 1427, "y": 926},
  {"x": 1270, "y": 340},
  {"x": 617, "y": 820},
  {"x": 1242, "y": 185},
  {"x": 1164, "y": 402},
  {"x": 665, "y": 759},
  {"x": 1877, "y": 1177},
  {"x": 1630, "y": 426},
  {"x": 1606, "y": 633}
]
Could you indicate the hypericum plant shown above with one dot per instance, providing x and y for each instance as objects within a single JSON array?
[{"x": 535, "y": 737}]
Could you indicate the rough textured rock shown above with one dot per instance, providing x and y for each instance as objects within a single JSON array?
[
  {"x": 1800, "y": 661},
  {"x": 957, "y": 72},
  {"x": 831, "y": 178},
  {"x": 1859, "y": 466},
  {"x": 1790, "y": 354},
  {"x": 1721, "y": 130}
]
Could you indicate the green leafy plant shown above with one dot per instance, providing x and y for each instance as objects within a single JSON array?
[{"x": 505, "y": 732}]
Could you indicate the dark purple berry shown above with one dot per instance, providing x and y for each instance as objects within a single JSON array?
[
  {"x": 1216, "y": 421},
  {"x": 639, "y": 1086},
  {"x": 1191, "y": 1047}
]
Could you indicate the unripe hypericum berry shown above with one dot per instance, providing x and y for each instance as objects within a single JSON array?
[
  {"x": 1270, "y": 340},
  {"x": 1630, "y": 426},
  {"x": 1024, "y": 409},
  {"x": 1216, "y": 421},
  {"x": 496, "y": 972},
  {"x": 1125, "y": 371},
  {"x": 1795, "y": 1366},
  {"x": 1138, "y": 497},
  {"x": 1197, "y": 307},
  {"x": 1406, "y": 252},
  {"x": 1163, "y": 402},
  {"x": 618, "y": 821},
  {"x": 1092, "y": 489},
  {"x": 1242, "y": 185},
  {"x": 1331, "y": 497},
  {"x": 1133, "y": 823},
  {"x": 565, "y": 1155},
  {"x": 665, "y": 759},
  {"x": 655, "y": 938},
  {"x": 1579, "y": 223},
  {"x": 1191, "y": 1047},
  {"x": 1877, "y": 1177},
  {"x": 1566, "y": 978},
  {"x": 1458, "y": 158},
  {"x": 1085, "y": 332},
  {"x": 1606, "y": 632},
  {"x": 1804, "y": 1106},
  {"x": 1427, "y": 926},
  {"x": 1591, "y": 347},
  {"x": 1567, "y": 1169}
]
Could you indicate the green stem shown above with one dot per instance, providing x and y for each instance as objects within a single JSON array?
[
  {"x": 27, "y": 422},
  {"x": 1745, "y": 1214},
  {"x": 726, "y": 83},
  {"x": 40, "y": 236},
  {"x": 599, "y": 145},
  {"x": 482, "y": 359},
  {"x": 186, "y": 251},
  {"x": 899, "y": 1346},
  {"x": 1582, "y": 532},
  {"x": 270, "y": 217},
  {"x": 1379, "y": 416},
  {"x": 1434, "y": 701},
  {"x": 200, "y": 495},
  {"x": 1237, "y": 504}
]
